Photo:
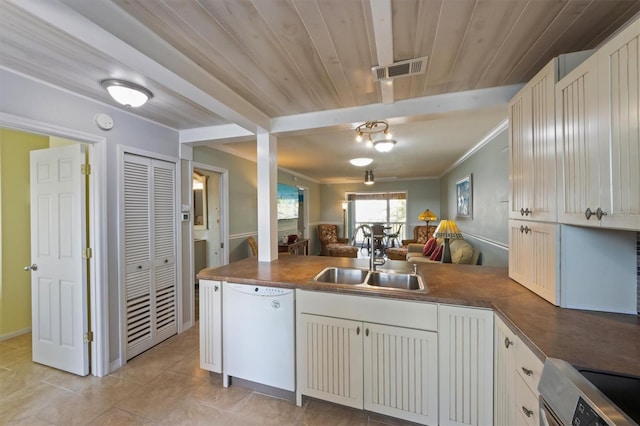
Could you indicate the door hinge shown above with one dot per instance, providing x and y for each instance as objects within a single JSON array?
[
  {"x": 87, "y": 253},
  {"x": 221, "y": 245},
  {"x": 85, "y": 169},
  {"x": 88, "y": 337}
]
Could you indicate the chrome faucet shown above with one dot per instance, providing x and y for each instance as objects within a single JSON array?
[{"x": 373, "y": 259}]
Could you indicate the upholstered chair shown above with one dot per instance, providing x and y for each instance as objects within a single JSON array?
[{"x": 328, "y": 236}]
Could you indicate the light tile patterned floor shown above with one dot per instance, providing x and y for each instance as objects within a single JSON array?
[{"x": 163, "y": 386}]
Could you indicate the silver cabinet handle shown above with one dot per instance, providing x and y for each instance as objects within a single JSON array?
[
  {"x": 524, "y": 229},
  {"x": 507, "y": 342},
  {"x": 525, "y": 212},
  {"x": 357, "y": 331},
  {"x": 527, "y": 371},
  {"x": 30, "y": 268},
  {"x": 526, "y": 411},
  {"x": 588, "y": 213},
  {"x": 367, "y": 332},
  {"x": 215, "y": 287},
  {"x": 600, "y": 213},
  {"x": 521, "y": 212}
]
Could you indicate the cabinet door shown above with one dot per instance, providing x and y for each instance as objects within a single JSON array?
[
  {"x": 466, "y": 366},
  {"x": 520, "y": 256},
  {"x": 401, "y": 373},
  {"x": 330, "y": 359},
  {"x": 210, "y": 305},
  {"x": 533, "y": 148},
  {"x": 579, "y": 162},
  {"x": 504, "y": 375},
  {"x": 619, "y": 93}
]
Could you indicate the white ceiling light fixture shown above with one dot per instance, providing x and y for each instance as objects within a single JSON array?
[
  {"x": 384, "y": 145},
  {"x": 361, "y": 162},
  {"x": 127, "y": 93}
]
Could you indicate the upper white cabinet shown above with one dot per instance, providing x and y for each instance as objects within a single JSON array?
[
  {"x": 597, "y": 125},
  {"x": 619, "y": 90},
  {"x": 532, "y": 143}
]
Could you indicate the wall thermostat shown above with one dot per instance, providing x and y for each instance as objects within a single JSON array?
[{"x": 103, "y": 121}]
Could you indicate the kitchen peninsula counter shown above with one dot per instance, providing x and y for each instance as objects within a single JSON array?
[{"x": 588, "y": 339}]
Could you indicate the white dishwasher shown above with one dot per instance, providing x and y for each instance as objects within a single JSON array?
[{"x": 258, "y": 334}]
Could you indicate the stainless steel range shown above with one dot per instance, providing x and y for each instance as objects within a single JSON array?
[{"x": 567, "y": 397}]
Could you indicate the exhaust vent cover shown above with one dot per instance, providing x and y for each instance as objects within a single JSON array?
[{"x": 400, "y": 69}]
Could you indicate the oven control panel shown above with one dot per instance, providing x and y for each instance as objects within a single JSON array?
[{"x": 586, "y": 416}]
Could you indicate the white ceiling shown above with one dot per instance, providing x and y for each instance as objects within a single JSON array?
[{"x": 219, "y": 70}]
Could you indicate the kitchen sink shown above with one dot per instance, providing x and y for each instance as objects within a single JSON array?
[
  {"x": 395, "y": 280},
  {"x": 362, "y": 277},
  {"x": 341, "y": 276}
]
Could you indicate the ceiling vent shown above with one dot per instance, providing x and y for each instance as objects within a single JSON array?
[{"x": 400, "y": 69}]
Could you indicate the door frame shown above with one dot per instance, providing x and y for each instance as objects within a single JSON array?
[{"x": 97, "y": 200}]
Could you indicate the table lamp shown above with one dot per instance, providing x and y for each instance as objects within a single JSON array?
[
  {"x": 447, "y": 229},
  {"x": 427, "y": 216}
]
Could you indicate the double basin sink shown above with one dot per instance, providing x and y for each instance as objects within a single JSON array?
[{"x": 363, "y": 277}]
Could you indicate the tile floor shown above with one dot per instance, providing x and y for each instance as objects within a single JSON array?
[{"x": 162, "y": 386}]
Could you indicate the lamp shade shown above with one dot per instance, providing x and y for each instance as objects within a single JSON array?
[
  {"x": 428, "y": 216},
  {"x": 448, "y": 229}
]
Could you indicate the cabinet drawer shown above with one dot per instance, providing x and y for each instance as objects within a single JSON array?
[
  {"x": 529, "y": 367},
  {"x": 526, "y": 405}
]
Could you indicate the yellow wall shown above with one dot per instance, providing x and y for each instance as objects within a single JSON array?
[{"x": 15, "y": 287}]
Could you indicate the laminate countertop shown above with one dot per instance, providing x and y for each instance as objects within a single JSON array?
[{"x": 587, "y": 339}]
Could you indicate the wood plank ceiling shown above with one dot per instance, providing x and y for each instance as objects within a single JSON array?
[{"x": 288, "y": 57}]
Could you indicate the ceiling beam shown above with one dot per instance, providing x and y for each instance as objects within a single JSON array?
[
  {"x": 234, "y": 108},
  {"x": 383, "y": 36},
  {"x": 225, "y": 133},
  {"x": 400, "y": 110}
]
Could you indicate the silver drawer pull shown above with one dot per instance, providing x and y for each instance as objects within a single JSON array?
[
  {"x": 507, "y": 342},
  {"x": 526, "y": 411},
  {"x": 527, "y": 371}
]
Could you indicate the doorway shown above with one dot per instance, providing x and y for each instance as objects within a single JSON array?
[
  {"x": 209, "y": 203},
  {"x": 29, "y": 136}
]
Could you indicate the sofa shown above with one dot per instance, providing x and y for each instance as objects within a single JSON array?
[
  {"x": 461, "y": 252},
  {"x": 420, "y": 236}
]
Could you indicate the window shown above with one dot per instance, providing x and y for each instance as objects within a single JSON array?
[{"x": 388, "y": 208}]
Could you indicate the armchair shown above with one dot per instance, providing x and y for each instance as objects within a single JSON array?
[
  {"x": 328, "y": 236},
  {"x": 420, "y": 235}
]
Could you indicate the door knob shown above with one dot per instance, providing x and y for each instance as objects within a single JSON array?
[{"x": 33, "y": 267}]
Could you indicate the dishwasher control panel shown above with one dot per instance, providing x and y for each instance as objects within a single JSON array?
[{"x": 261, "y": 290}]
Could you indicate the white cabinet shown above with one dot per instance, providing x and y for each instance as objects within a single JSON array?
[
  {"x": 504, "y": 375},
  {"x": 344, "y": 354},
  {"x": 597, "y": 124},
  {"x": 581, "y": 164},
  {"x": 517, "y": 374},
  {"x": 465, "y": 342},
  {"x": 532, "y": 257},
  {"x": 619, "y": 101},
  {"x": 210, "y": 325},
  {"x": 532, "y": 143}
]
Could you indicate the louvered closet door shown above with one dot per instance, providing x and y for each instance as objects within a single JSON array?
[
  {"x": 149, "y": 252},
  {"x": 164, "y": 252}
]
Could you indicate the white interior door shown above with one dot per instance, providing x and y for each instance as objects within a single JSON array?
[{"x": 58, "y": 270}]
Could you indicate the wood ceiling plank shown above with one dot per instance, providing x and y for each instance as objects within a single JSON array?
[
  {"x": 487, "y": 31},
  {"x": 254, "y": 37},
  {"x": 289, "y": 28},
  {"x": 319, "y": 34},
  {"x": 452, "y": 27},
  {"x": 348, "y": 29},
  {"x": 190, "y": 29},
  {"x": 525, "y": 30}
]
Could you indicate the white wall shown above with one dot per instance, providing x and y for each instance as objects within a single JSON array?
[{"x": 33, "y": 100}]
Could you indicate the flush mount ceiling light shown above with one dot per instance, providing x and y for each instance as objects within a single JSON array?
[
  {"x": 368, "y": 177},
  {"x": 127, "y": 93},
  {"x": 371, "y": 128},
  {"x": 361, "y": 162},
  {"x": 384, "y": 145}
]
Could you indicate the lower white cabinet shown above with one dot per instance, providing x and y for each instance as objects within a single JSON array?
[
  {"x": 517, "y": 373},
  {"x": 465, "y": 342},
  {"x": 210, "y": 325},
  {"x": 385, "y": 368}
]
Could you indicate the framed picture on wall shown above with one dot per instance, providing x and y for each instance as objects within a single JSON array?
[{"x": 464, "y": 198}]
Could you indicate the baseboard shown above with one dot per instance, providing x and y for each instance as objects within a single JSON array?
[
  {"x": 114, "y": 365},
  {"x": 15, "y": 333}
]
